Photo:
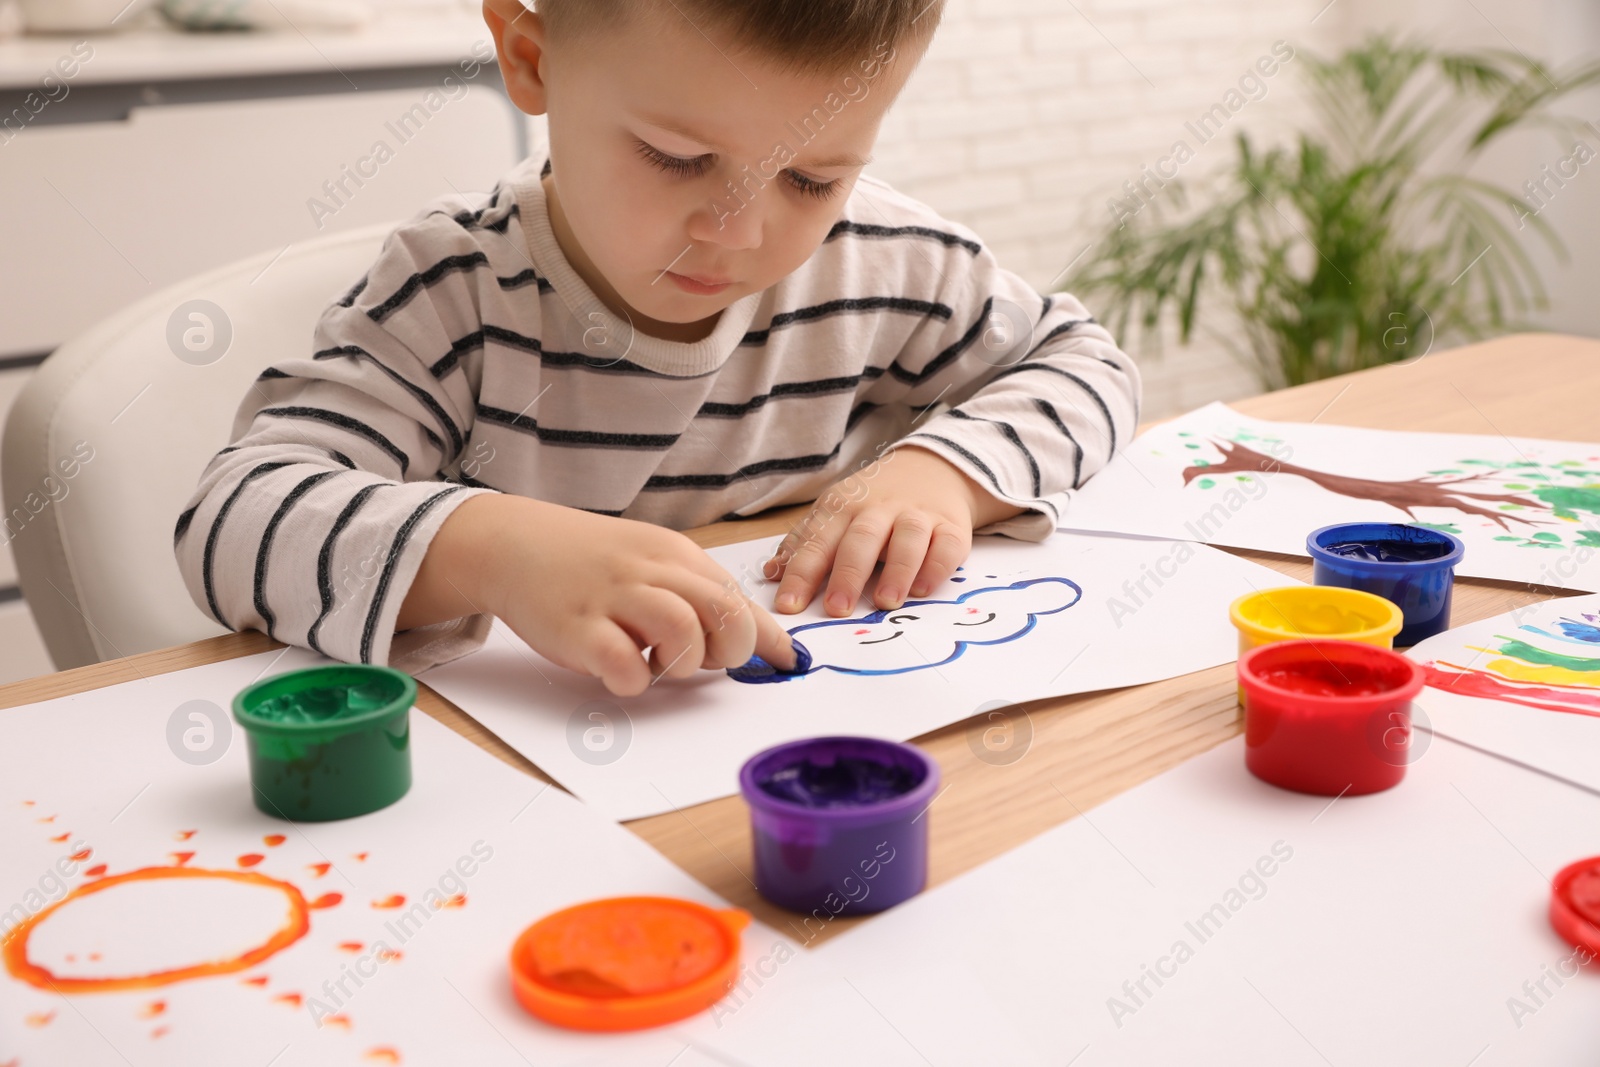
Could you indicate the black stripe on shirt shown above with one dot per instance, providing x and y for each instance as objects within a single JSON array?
[
  {"x": 526, "y": 277},
  {"x": 575, "y": 438},
  {"x": 421, "y": 395},
  {"x": 1065, "y": 327},
  {"x": 264, "y": 550},
  {"x": 817, "y": 387},
  {"x": 325, "y": 562},
  {"x": 786, "y": 465},
  {"x": 1049, "y": 411},
  {"x": 1011, "y": 435},
  {"x": 474, "y": 220},
  {"x": 867, "y": 229},
  {"x": 1023, "y": 368},
  {"x": 511, "y": 339},
  {"x": 847, "y": 307},
  {"x": 401, "y": 537},
  {"x": 980, "y": 465},
  {"x": 346, "y": 423},
  {"x": 949, "y": 355},
  {"x": 182, "y": 526},
  {"x": 423, "y": 279},
  {"x": 349, "y": 298},
  {"x": 210, "y": 554}
]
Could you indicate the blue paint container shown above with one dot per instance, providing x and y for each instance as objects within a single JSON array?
[{"x": 1413, "y": 567}]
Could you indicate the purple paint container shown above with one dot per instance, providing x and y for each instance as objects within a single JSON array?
[{"x": 838, "y": 823}]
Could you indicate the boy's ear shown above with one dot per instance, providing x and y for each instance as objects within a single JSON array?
[{"x": 519, "y": 40}]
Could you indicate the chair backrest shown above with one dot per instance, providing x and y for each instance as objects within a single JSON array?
[{"x": 107, "y": 441}]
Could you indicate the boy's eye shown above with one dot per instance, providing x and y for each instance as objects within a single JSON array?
[
  {"x": 689, "y": 168},
  {"x": 696, "y": 166},
  {"x": 811, "y": 187}
]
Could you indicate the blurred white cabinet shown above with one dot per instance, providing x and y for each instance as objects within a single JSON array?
[{"x": 170, "y": 153}]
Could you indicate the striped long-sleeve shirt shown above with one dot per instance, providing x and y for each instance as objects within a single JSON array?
[{"x": 471, "y": 358}]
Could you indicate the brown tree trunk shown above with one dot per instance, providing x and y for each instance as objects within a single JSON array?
[{"x": 1416, "y": 493}]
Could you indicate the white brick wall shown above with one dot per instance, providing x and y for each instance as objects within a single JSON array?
[{"x": 1027, "y": 115}]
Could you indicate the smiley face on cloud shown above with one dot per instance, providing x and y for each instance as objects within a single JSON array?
[{"x": 920, "y": 634}]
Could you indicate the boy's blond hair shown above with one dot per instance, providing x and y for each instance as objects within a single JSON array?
[{"x": 803, "y": 36}]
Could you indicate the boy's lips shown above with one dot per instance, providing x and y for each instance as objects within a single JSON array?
[{"x": 700, "y": 285}]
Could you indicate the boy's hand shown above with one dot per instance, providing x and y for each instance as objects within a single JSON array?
[
  {"x": 910, "y": 509},
  {"x": 591, "y": 592}
]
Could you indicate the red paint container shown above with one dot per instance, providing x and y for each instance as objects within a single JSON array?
[
  {"x": 1328, "y": 717},
  {"x": 1575, "y": 906}
]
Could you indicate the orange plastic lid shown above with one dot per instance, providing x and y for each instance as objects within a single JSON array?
[{"x": 627, "y": 962}]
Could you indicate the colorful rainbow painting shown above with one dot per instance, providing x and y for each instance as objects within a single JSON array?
[{"x": 1556, "y": 669}]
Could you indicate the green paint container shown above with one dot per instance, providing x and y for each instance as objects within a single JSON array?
[{"x": 328, "y": 742}]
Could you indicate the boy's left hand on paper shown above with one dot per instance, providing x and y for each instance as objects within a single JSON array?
[{"x": 909, "y": 508}]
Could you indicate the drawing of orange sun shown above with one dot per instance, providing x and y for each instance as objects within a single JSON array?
[{"x": 214, "y": 922}]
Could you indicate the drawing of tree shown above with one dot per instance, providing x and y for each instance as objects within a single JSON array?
[{"x": 1520, "y": 491}]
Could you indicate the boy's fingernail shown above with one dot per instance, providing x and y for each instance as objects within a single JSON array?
[
  {"x": 836, "y": 602},
  {"x": 788, "y": 602},
  {"x": 893, "y": 596},
  {"x": 919, "y": 590}
]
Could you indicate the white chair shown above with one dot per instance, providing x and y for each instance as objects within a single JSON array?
[{"x": 107, "y": 442}]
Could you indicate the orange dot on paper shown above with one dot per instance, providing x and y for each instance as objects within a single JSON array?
[
  {"x": 388, "y": 955},
  {"x": 160, "y": 1031},
  {"x": 342, "y": 1021},
  {"x": 184, "y": 835},
  {"x": 351, "y": 946},
  {"x": 457, "y": 901},
  {"x": 60, "y": 839},
  {"x": 273, "y": 840},
  {"x": 361, "y": 857},
  {"x": 250, "y": 859},
  {"x": 318, "y": 869},
  {"x": 258, "y": 980},
  {"x": 96, "y": 871},
  {"x": 152, "y": 1009},
  {"x": 393, "y": 901},
  {"x": 294, "y": 1000},
  {"x": 326, "y": 900},
  {"x": 48, "y": 818},
  {"x": 80, "y": 855},
  {"x": 40, "y": 1018},
  {"x": 382, "y": 1055},
  {"x": 180, "y": 858}
]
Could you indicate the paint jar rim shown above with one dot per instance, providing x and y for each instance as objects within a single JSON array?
[
  {"x": 1343, "y": 532},
  {"x": 772, "y": 759},
  {"x": 1394, "y": 617},
  {"x": 245, "y": 701},
  {"x": 1258, "y": 659},
  {"x": 577, "y": 1011}
]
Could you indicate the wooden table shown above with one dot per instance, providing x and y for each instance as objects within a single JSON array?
[{"x": 1085, "y": 749}]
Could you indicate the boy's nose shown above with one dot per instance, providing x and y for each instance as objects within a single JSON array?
[{"x": 732, "y": 224}]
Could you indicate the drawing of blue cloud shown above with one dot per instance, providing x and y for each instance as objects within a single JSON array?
[{"x": 920, "y": 634}]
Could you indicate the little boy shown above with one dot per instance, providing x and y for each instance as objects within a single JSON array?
[{"x": 697, "y": 308}]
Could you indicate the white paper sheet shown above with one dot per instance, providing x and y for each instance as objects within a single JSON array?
[
  {"x": 1533, "y": 507},
  {"x": 100, "y": 776},
  {"x": 1524, "y": 685},
  {"x": 1208, "y": 918},
  {"x": 1072, "y": 614}
]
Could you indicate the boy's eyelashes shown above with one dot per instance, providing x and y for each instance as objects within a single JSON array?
[{"x": 696, "y": 166}]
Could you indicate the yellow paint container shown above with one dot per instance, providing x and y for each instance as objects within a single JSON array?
[{"x": 1327, "y": 612}]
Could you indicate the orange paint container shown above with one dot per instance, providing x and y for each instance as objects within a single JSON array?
[{"x": 627, "y": 963}]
